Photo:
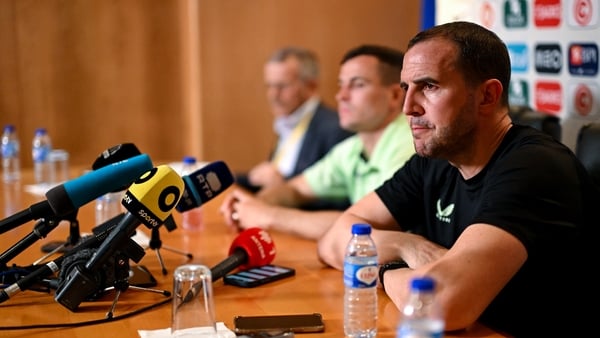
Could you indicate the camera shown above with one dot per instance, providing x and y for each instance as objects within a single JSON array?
[{"x": 76, "y": 283}]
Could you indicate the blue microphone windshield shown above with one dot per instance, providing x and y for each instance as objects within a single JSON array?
[
  {"x": 73, "y": 194},
  {"x": 204, "y": 184}
]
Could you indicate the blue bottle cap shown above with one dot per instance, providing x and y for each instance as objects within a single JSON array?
[
  {"x": 422, "y": 284},
  {"x": 9, "y": 128},
  {"x": 361, "y": 229},
  {"x": 40, "y": 131},
  {"x": 189, "y": 160}
]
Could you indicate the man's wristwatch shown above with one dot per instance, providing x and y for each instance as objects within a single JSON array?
[{"x": 393, "y": 265}]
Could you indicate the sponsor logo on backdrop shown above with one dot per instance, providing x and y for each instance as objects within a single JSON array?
[
  {"x": 518, "y": 92},
  {"x": 487, "y": 15},
  {"x": 515, "y": 13},
  {"x": 583, "y": 59},
  {"x": 546, "y": 13},
  {"x": 582, "y": 99},
  {"x": 518, "y": 57},
  {"x": 548, "y": 96},
  {"x": 583, "y": 13},
  {"x": 548, "y": 58}
]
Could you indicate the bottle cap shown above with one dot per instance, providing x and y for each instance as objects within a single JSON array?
[
  {"x": 189, "y": 160},
  {"x": 9, "y": 128},
  {"x": 361, "y": 229},
  {"x": 422, "y": 284},
  {"x": 40, "y": 131}
]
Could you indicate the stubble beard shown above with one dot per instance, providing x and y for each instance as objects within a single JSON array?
[{"x": 449, "y": 142}]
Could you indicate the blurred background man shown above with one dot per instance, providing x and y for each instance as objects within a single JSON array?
[
  {"x": 369, "y": 102},
  {"x": 306, "y": 128}
]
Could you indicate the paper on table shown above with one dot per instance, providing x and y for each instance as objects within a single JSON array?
[
  {"x": 222, "y": 332},
  {"x": 39, "y": 189}
]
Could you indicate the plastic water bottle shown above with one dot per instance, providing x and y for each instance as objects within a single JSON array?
[
  {"x": 360, "y": 281},
  {"x": 40, "y": 151},
  {"x": 191, "y": 219},
  {"x": 421, "y": 316},
  {"x": 11, "y": 162}
]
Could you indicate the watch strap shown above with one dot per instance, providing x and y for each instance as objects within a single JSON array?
[{"x": 393, "y": 265}]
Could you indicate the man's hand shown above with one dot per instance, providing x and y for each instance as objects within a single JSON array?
[
  {"x": 243, "y": 210},
  {"x": 265, "y": 174}
]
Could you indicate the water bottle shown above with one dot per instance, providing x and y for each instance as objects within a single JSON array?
[
  {"x": 360, "y": 282},
  {"x": 40, "y": 151},
  {"x": 421, "y": 316},
  {"x": 11, "y": 162},
  {"x": 191, "y": 219}
]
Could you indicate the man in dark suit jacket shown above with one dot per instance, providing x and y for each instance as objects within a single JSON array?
[{"x": 306, "y": 128}]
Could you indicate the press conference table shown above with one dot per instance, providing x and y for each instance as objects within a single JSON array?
[{"x": 314, "y": 288}]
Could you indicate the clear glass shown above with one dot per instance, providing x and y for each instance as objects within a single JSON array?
[
  {"x": 193, "y": 312},
  {"x": 108, "y": 206},
  {"x": 59, "y": 163}
]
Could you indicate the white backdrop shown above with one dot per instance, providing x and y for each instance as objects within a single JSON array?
[{"x": 553, "y": 46}]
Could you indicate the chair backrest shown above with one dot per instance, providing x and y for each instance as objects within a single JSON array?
[
  {"x": 547, "y": 123},
  {"x": 587, "y": 149}
]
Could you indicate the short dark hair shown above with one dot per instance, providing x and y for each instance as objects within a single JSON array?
[
  {"x": 390, "y": 60},
  {"x": 482, "y": 54}
]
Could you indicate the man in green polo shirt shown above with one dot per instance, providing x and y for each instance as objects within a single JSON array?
[{"x": 369, "y": 103}]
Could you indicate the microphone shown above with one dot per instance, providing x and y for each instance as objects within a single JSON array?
[
  {"x": 75, "y": 193},
  {"x": 251, "y": 248},
  {"x": 71, "y": 195},
  {"x": 114, "y": 154},
  {"x": 149, "y": 201},
  {"x": 204, "y": 184},
  {"x": 53, "y": 266}
]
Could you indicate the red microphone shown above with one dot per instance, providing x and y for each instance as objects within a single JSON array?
[{"x": 252, "y": 247}]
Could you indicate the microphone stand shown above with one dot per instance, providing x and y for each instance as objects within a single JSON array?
[
  {"x": 121, "y": 283},
  {"x": 42, "y": 227},
  {"x": 155, "y": 243},
  {"x": 35, "y": 211},
  {"x": 118, "y": 248},
  {"x": 72, "y": 240}
]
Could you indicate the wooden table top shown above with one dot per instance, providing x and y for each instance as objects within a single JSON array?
[{"x": 314, "y": 288}]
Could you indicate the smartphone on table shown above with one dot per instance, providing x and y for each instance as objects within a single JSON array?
[
  {"x": 258, "y": 276},
  {"x": 296, "y": 323}
]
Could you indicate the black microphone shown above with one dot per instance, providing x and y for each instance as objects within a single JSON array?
[
  {"x": 69, "y": 196},
  {"x": 204, "y": 184},
  {"x": 114, "y": 154},
  {"x": 53, "y": 266},
  {"x": 149, "y": 201}
]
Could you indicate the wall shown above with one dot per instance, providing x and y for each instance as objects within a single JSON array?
[
  {"x": 553, "y": 46},
  {"x": 174, "y": 77}
]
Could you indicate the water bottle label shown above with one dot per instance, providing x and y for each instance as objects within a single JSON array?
[
  {"x": 9, "y": 150},
  {"x": 404, "y": 332},
  {"x": 40, "y": 154},
  {"x": 360, "y": 276}
]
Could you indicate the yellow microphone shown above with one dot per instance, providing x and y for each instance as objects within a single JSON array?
[{"x": 152, "y": 203}]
